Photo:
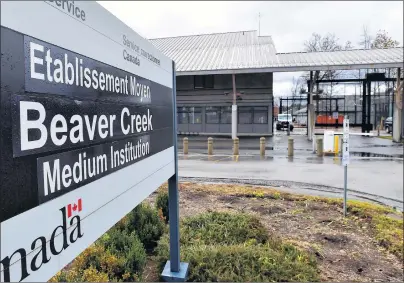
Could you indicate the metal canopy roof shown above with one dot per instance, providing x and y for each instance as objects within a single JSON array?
[{"x": 245, "y": 52}]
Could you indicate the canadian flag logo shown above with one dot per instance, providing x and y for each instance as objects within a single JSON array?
[{"x": 74, "y": 208}]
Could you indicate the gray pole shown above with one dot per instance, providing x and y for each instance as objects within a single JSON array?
[
  {"x": 173, "y": 205},
  {"x": 345, "y": 188},
  {"x": 174, "y": 270},
  {"x": 345, "y": 159}
]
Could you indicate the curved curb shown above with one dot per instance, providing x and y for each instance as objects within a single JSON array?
[{"x": 299, "y": 186}]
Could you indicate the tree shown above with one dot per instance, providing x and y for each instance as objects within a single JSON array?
[
  {"x": 328, "y": 42},
  {"x": 298, "y": 88},
  {"x": 366, "y": 42},
  {"x": 383, "y": 40}
]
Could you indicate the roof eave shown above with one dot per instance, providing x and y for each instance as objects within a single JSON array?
[{"x": 291, "y": 69}]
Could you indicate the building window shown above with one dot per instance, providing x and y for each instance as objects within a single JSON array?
[
  {"x": 245, "y": 115},
  {"x": 203, "y": 82},
  {"x": 182, "y": 115},
  {"x": 189, "y": 115},
  {"x": 260, "y": 115},
  {"x": 195, "y": 115},
  {"x": 225, "y": 115},
  {"x": 212, "y": 115}
]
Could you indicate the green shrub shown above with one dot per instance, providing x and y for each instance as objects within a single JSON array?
[
  {"x": 146, "y": 223},
  {"x": 116, "y": 256},
  {"x": 222, "y": 228},
  {"x": 268, "y": 262},
  {"x": 236, "y": 248},
  {"x": 135, "y": 259},
  {"x": 162, "y": 204},
  {"x": 121, "y": 242},
  {"x": 94, "y": 262}
]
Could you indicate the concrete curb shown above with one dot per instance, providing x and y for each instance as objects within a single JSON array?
[{"x": 300, "y": 186}]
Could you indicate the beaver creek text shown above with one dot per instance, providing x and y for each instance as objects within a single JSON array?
[{"x": 59, "y": 130}]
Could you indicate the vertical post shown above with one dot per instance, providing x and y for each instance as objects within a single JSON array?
[
  {"x": 345, "y": 160},
  {"x": 320, "y": 147},
  {"x": 185, "y": 145},
  {"x": 236, "y": 146},
  {"x": 369, "y": 106},
  {"x": 290, "y": 147},
  {"x": 336, "y": 145},
  {"x": 345, "y": 187},
  {"x": 287, "y": 113},
  {"x": 397, "y": 110},
  {"x": 262, "y": 146},
  {"x": 210, "y": 146},
  {"x": 364, "y": 107},
  {"x": 309, "y": 108},
  {"x": 234, "y": 110},
  {"x": 336, "y": 110},
  {"x": 174, "y": 270},
  {"x": 173, "y": 194}
]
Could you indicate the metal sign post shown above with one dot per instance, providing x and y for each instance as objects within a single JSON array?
[
  {"x": 345, "y": 159},
  {"x": 174, "y": 270}
]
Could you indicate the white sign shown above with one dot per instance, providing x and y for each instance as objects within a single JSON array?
[
  {"x": 91, "y": 132},
  {"x": 335, "y": 115},
  {"x": 345, "y": 143},
  {"x": 345, "y": 154}
]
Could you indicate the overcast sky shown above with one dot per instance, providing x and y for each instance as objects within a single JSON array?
[{"x": 289, "y": 23}]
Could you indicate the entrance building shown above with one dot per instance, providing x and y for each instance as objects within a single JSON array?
[{"x": 226, "y": 79}]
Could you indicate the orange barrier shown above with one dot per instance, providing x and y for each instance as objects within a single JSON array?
[{"x": 329, "y": 120}]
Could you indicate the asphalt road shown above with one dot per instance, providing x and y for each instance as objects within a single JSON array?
[{"x": 375, "y": 178}]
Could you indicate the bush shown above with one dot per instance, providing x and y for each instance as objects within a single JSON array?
[
  {"x": 256, "y": 263},
  {"x": 116, "y": 256},
  {"x": 222, "y": 228},
  {"x": 145, "y": 222},
  {"x": 162, "y": 204},
  {"x": 117, "y": 241},
  {"x": 135, "y": 259},
  {"x": 92, "y": 275},
  {"x": 94, "y": 264},
  {"x": 237, "y": 248}
]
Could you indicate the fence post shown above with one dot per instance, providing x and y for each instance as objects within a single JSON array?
[
  {"x": 290, "y": 147},
  {"x": 185, "y": 145},
  {"x": 262, "y": 146},
  {"x": 210, "y": 146},
  {"x": 236, "y": 146}
]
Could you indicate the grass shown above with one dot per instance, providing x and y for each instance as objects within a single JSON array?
[
  {"x": 386, "y": 137},
  {"x": 222, "y": 228},
  {"x": 386, "y": 224},
  {"x": 236, "y": 247}
]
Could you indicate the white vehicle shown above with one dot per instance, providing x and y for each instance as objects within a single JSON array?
[{"x": 284, "y": 120}]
